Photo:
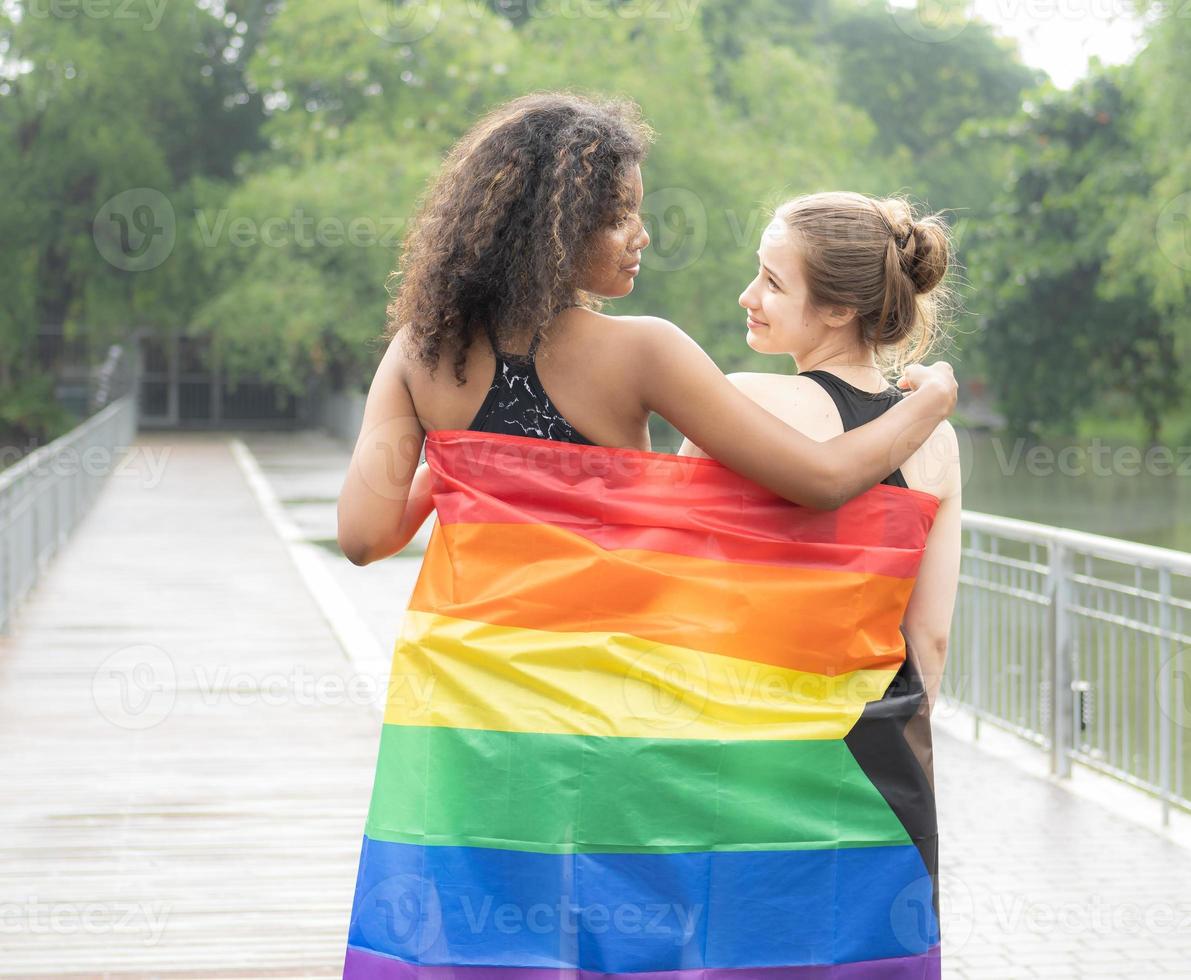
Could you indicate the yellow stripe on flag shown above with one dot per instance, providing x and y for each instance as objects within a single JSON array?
[{"x": 461, "y": 673}]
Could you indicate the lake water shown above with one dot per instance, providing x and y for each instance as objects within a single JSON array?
[
  {"x": 1095, "y": 485},
  {"x": 1112, "y": 488}
]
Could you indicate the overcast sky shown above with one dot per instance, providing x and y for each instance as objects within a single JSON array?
[{"x": 1058, "y": 36}]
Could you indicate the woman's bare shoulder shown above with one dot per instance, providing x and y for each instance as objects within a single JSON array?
[
  {"x": 799, "y": 402},
  {"x": 936, "y": 466},
  {"x": 780, "y": 384},
  {"x": 631, "y": 329},
  {"x": 633, "y": 348}
]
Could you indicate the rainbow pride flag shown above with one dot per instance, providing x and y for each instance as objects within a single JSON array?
[{"x": 648, "y": 719}]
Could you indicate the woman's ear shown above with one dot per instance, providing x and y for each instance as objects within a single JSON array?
[{"x": 839, "y": 316}]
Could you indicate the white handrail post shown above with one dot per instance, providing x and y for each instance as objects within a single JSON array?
[
  {"x": 7, "y": 561},
  {"x": 1166, "y": 707},
  {"x": 979, "y": 638},
  {"x": 1060, "y": 671}
]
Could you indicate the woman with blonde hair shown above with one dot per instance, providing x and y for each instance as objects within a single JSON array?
[{"x": 851, "y": 287}]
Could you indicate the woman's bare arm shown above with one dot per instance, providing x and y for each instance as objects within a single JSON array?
[
  {"x": 418, "y": 506},
  {"x": 372, "y": 519},
  {"x": 678, "y": 380},
  {"x": 927, "y": 620}
]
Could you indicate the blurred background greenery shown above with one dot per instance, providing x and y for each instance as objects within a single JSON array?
[{"x": 244, "y": 171}]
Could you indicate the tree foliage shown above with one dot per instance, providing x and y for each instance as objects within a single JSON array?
[
  {"x": 1058, "y": 337},
  {"x": 266, "y": 157}
]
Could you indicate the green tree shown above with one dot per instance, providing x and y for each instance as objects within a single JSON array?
[
  {"x": 1149, "y": 252},
  {"x": 104, "y": 122},
  {"x": 1056, "y": 338},
  {"x": 361, "y": 101}
]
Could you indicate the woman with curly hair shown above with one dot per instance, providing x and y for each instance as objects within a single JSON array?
[{"x": 533, "y": 218}]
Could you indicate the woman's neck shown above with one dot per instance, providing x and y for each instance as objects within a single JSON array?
[{"x": 858, "y": 370}]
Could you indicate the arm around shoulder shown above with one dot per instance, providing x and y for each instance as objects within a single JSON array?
[
  {"x": 677, "y": 379},
  {"x": 740, "y": 380}
]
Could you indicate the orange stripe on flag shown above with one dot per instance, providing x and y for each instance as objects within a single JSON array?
[{"x": 536, "y": 576}]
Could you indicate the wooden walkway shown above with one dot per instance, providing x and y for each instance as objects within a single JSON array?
[
  {"x": 176, "y": 803},
  {"x": 179, "y": 798}
]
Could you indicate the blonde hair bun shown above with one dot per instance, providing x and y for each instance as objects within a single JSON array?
[{"x": 877, "y": 256}]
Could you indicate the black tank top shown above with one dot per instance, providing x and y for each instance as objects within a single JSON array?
[
  {"x": 857, "y": 406},
  {"x": 518, "y": 405}
]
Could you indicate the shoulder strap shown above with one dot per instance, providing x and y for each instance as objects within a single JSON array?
[
  {"x": 853, "y": 412},
  {"x": 491, "y": 340},
  {"x": 826, "y": 381},
  {"x": 520, "y": 358}
]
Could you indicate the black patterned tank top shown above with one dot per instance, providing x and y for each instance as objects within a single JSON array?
[
  {"x": 518, "y": 405},
  {"x": 857, "y": 406}
]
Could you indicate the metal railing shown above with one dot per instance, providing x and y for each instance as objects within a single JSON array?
[
  {"x": 1078, "y": 643},
  {"x": 44, "y": 495}
]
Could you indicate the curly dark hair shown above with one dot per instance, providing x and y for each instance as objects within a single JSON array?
[{"x": 502, "y": 231}]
